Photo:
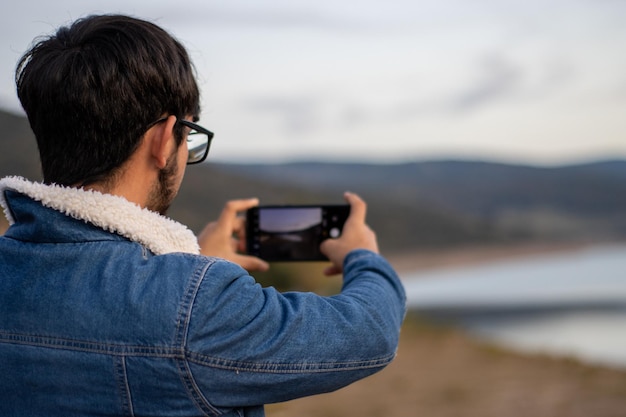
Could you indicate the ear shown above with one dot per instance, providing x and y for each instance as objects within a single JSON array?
[{"x": 163, "y": 142}]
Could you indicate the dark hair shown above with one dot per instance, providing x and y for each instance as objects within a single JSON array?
[{"x": 91, "y": 90}]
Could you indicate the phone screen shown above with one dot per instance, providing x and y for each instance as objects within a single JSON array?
[{"x": 292, "y": 233}]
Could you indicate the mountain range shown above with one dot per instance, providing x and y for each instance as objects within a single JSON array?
[{"x": 418, "y": 204}]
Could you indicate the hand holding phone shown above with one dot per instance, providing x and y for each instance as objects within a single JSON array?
[
  {"x": 356, "y": 235},
  {"x": 224, "y": 238}
]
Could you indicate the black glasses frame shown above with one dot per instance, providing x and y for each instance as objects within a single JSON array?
[{"x": 197, "y": 128}]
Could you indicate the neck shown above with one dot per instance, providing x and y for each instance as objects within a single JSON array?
[{"x": 131, "y": 182}]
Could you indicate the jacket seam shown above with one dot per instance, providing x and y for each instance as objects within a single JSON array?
[
  {"x": 123, "y": 386},
  {"x": 184, "y": 321},
  {"x": 288, "y": 368},
  {"x": 89, "y": 346}
]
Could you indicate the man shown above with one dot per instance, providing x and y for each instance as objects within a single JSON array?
[{"x": 109, "y": 308}]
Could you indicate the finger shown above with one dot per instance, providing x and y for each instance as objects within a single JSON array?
[
  {"x": 230, "y": 210},
  {"x": 233, "y": 207},
  {"x": 326, "y": 246},
  {"x": 239, "y": 235},
  {"x": 358, "y": 208},
  {"x": 241, "y": 245},
  {"x": 239, "y": 226}
]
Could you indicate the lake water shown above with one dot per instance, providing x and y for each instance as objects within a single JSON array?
[{"x": 570, "y": 304}]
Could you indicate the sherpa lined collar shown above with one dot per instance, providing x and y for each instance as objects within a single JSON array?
[{"x": 112, "y": 213}]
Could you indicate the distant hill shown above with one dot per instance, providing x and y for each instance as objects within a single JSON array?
[
  {"x": 434, "y": 204},
  {"x": 573, "y": 201},
  {"x": 18, "y": 149},
  {"x": 476, "y": 188}
]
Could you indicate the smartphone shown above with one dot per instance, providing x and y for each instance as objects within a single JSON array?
[{"x": 293, "y": 233}]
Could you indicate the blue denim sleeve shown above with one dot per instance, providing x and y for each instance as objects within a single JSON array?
[{"x": 248, "y": 345}]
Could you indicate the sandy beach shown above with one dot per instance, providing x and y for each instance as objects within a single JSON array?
[{"x": 442, "y": 371}]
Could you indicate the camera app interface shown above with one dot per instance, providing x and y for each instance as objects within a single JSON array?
[{"x": 290, "y": 233}]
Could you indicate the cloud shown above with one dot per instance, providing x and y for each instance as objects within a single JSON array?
[
  {"x": 278, "y": 18},
  {"x": 499, "y": 79},
  {"x": 296, "y": 115}
]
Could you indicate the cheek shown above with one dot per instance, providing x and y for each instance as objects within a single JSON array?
[
  {"x": 183, "y": 153},
  {"x": 182, "y": 161}
]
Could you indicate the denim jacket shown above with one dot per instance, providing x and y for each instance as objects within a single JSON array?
[{"x": 107, "y": 309}]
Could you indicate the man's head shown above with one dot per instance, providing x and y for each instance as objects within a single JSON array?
[{"x": 91, "y": 90}]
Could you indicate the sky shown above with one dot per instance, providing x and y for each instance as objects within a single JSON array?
[{"x": 529, "y": 82}]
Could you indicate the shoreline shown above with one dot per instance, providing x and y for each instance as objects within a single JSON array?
[
  {"x": 565, "y": 300},
  {"x": 427, "y": 259}
]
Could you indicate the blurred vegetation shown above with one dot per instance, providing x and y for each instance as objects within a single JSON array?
[{"x": 299, "y": 276}]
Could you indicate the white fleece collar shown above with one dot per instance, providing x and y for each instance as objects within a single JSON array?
[{"x": 112, "y": 213}]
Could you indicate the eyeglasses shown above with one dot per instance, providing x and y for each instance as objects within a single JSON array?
[{"x": 198, "y": 140}]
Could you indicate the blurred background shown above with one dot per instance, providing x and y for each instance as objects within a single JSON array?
[{"x": 489, "y": 140}]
